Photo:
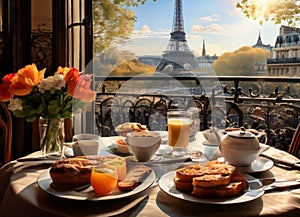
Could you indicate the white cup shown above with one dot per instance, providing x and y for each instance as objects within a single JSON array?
[
  {"x": 86, "y": 144},
  {"x": 86, "y": 147},
  {"x": 211, "y": 151},
  {"x": 85, "y": 136}
]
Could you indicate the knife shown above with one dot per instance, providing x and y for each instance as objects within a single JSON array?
[
  {"x": 170, "y": 160},
  {"x": 28, "y": 159},
  {"x": 282, "y": 186}
]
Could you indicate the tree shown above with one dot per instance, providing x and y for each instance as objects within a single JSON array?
[
  {"x": 113, "y": 22},
  {"x": 274, "y": 10},
  {"x": 240, "y": 62}
]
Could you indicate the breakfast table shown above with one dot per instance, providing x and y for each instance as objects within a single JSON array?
[{"x": 21, "y": 195}]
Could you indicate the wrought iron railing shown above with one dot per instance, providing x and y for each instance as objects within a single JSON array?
[
  {"x": 283, "y": 60},
  {"x": 271, "y": 104}
]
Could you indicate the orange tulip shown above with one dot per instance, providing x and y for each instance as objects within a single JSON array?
[{"x": 25, "y": 79}]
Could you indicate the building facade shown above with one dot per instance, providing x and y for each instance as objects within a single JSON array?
[
  {"x": 261, "y": 67},
  {"x": 286, "y": 53}
]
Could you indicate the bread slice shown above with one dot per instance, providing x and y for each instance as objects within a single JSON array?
[
  {"x": 217, "y": 167},
  {"x": 184, "y": 186},
  {"x": 239, "y": 177},
  {"x": 213, "y": 167},
  {"x": 211, "y": 180},
  {"x": 230, "y": 190},
  {"x": 236, "y": 186},
  {"x": 135, "y": 175},
  {"x": 186, "y": 174}
]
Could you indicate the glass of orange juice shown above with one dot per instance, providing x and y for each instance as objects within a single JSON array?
[
  {"x": 104, "y": 179},
  {"x": 179, "y": 125}
]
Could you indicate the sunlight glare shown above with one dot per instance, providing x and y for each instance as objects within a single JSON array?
[{"x": 262, "y": 7}]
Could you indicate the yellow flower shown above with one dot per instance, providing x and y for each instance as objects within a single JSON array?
[
  {"x": 25, "y": 79},
  {"x": 63, "y": 70}
]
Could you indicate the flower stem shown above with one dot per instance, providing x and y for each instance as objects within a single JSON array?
[{"x": 52, "y": 137}]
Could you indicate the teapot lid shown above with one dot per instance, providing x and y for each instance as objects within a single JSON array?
[{"x": 242, "y": 134}]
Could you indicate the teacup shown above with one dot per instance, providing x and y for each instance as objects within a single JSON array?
[
  {"x": 85, "y": 136},
  {"x": 86, "y": 144},
  {"x": 86, "y": 147},
  {"x": 211, "y": 151}
]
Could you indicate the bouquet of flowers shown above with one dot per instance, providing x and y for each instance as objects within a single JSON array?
[
  {"x": 54, "y": 98},
  {"x": 32, "y": 96}
]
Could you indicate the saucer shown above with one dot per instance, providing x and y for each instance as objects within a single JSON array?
[
  {"x": 164, "y": 150},
  {"x": 260, "y": 164}
]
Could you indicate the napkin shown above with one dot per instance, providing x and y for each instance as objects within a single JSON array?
[{"x": 281, "y": 158}]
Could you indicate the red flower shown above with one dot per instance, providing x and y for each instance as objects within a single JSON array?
[
  {"x": 7, "y": 78},
  {"x": 5, "y": 94}
]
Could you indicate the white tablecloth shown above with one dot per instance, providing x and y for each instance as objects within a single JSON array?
[{"x": 21, "y": 196}]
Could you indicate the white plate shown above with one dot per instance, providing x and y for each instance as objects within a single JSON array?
[
  {"x": 260, "y": 164},
  {"x": 166, "y": 183},
  {"x": 44, "y": 181}
]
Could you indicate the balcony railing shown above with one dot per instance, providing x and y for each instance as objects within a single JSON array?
[
  {"x": 283, "y": 60},
  {"x": 271, "y": 104}
]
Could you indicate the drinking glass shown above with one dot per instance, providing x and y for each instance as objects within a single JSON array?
[
  {"x": 179, "y": 127},
  {"x": 104, "y": 179}
]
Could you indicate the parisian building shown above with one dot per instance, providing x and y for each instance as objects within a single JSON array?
[{"x": 286, "y": 53}]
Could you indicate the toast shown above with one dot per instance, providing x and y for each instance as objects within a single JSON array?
[
  {"x": 212, "y": 167},
  {"x": 186, "y": 174},
  {"x": 212, "y": 179},
  {"x": 182, "y": 185},
  {"x": 135, "y": 176},
  {"x": 235, "y": 187},
  {"x": 230, "y": 190}
]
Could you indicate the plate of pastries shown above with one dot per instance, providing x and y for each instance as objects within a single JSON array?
[
  {"x": 71, "y": 178},
  {"x": 128, "y": 127},
  {"x": 213, "y": 182}
]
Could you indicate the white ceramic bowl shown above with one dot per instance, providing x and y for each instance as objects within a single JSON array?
[{"x": 143, "y": 144}]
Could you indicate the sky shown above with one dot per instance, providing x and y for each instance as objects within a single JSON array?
[{"x": 223, "y": 27}]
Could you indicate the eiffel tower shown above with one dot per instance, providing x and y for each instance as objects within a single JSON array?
[{"x": 178, "y": 54}]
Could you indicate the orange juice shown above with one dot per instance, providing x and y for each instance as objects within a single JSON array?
[
  {"x": 104, "y": 179},
  {"x": 179, "y": 132}
]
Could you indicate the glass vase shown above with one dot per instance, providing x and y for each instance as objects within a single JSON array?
[{"x": 52, "y": 137}]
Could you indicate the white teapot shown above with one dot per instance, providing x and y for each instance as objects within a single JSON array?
[{"x": 241, "y": 147}]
